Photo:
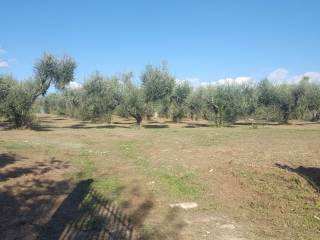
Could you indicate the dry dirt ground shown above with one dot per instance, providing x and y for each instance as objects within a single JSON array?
[{"x": 67, "y": 179}]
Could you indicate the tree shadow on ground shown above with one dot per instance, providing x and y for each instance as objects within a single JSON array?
[
  {"x": 84, "y": 126},
  {"x": 59, "y": 119},
  {"x": 33, "y": 206},
  {"x": 258, "y": 123},
  {"x": 25, "y": 205},
  {"x": 43, "y": 128},
  {"x": 34, "y": 127},
  {"x": 307, "y": 123},
  {"x": 197, "y": 125},
  {"x": 155, "y": 125},
  {"x": 173, "y": 122},
  {"x": 5, "y": 125},
  {"x": 152, "y": 121},
  {"x": 128, "y": 122},
  {"x": 6, "y": 159},
  {"x": 311, "y": 174},
  {"x": 86, "y": 214},
  {"x": 39, "y": 168}
]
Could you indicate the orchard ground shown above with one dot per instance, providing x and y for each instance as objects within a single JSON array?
[{"x": 70, "y": 179}]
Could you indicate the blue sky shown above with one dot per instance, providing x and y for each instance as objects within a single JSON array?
[{"x": 201, "y": 40}]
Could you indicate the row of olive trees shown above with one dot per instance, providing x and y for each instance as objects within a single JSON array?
[
  {"x": 290, "y": 100},
  {"x": 18, "y": 98},
  {"x": 159, "y": 93},
  {"x": 101, "y": 96}
]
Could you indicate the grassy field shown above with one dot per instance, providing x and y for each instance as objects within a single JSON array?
[{"x": 79, "y": 179}]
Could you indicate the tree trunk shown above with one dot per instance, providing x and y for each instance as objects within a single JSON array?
[
  {"x": 138, "y": 119},
  {"x": 313, "y": 117},
  {"x": 18, "y": 121},
  {"x": 286, "y": 117}
]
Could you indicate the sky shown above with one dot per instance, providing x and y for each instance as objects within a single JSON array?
[{"x": 202, "y": 41}]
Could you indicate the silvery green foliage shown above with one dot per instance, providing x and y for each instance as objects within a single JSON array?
[
  {"x": 6, "y": 84},
  {"x": 196, "y": 104},
  {"x": 181, "y": 92},
  {"x": 306, "y": 97},
  {"x": 279, "y": 97},
  {"x": 21, "y": 96},
  {"x": 158, "y": 83},
  {"x": 101, "y": 95},
  {"x": 51, "y": 70},
  {"x": 134, "y": 101},
  {"x": 179, "y": 100},
  {"x": 313, "y": 100},
  {"x": 17, "y": 104},
  {"x": 228, "y": 101},
  {"x": 158, "y": 92}
]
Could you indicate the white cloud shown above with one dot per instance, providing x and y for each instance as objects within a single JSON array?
[
  {"x": 74, "y": 85},
  {"x": 313, "y": 76},
  {"x": 194, "y": 81},
  {"x": 3, "y": 63},
  {"x": 279, "y": 75},
  {"x": 197, "y": 82},
  {"x": 282, "y": 75},
  {"x": 237, "y": 80},
  {"x": 203, "y": 84}
]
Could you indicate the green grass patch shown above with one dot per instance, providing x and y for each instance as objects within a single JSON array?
[
  {"x": 180, "y": 186},
  {"x": 175, "y": 181},
  {"x": 85, "y": 165},
  {"x": 110, "y": 186},
  {"x": 129, "y": 151},
  {"x": 127, "y": 148},
  {"x": 15, "y": 145}
]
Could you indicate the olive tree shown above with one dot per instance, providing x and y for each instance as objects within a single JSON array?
[
  {"x": 7, "y": 83},
  {"x": 101, "y": 95},
  {"x": 179, "y": 100},
  {"x": 49, "y": 70},
  {"x": 267, "y": 100},
  {"x": 158, "y": 84},
  {"x": 313, "y": 100},
  {"x": 285, "y": 102},
  {"x": 249, "y": 99},
  {"x": 226, "y": 101},
  {"x": 281, "y": 98},
  {"x": 196, "y": 103},
  {"x": 134, "y": 101}
]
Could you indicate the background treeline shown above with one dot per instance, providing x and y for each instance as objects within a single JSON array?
[{"x": 158, "y": 94}]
